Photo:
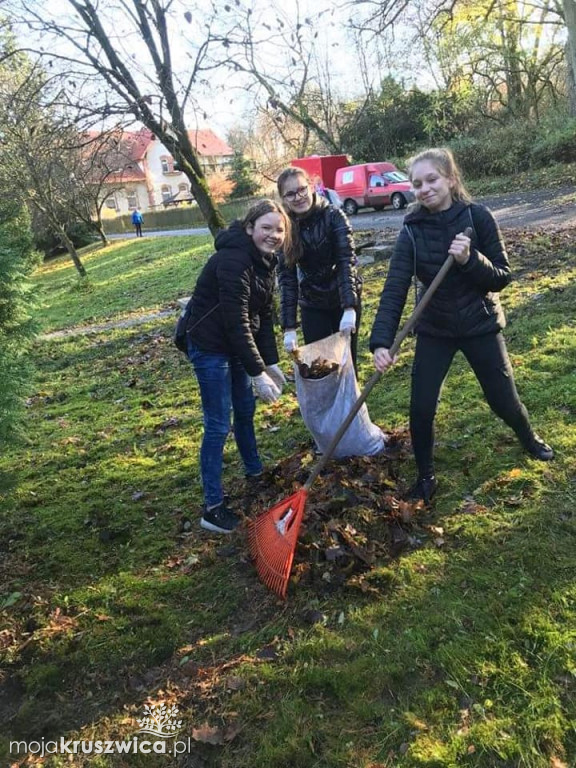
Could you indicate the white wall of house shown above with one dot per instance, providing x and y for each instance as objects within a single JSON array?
[
  {"x": 126, "y": 199},
  {"x": 163, "y": 180}
]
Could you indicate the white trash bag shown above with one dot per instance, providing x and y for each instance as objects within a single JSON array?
[{"x": 325, "y": 403}]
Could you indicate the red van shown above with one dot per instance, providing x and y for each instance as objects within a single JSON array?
[
  {"x": 321, "y": 167},
  {"x": 372, "y": 185}
]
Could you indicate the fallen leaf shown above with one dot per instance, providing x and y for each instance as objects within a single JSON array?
[
  {"x": 555, "y": 762},
  {"x": 208, "y": 734},
  {"x": 235, "y": 683}
]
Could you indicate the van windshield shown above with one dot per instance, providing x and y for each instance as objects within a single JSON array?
[{"x": 393, "y": 176}]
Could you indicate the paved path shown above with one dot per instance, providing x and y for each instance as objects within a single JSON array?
[
  {"x": 553, "y": 208},
  {"x": 548, "y": 208},
  {"x": 84, "y": 330},
  {"x": 161, "y": 233}
]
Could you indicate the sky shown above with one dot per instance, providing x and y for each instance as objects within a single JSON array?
[{"x": 224, "y": 104}]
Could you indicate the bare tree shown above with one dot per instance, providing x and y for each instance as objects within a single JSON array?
[
  {"x": 279, "y": 56},
  {"x": 39, "y": 143},
  {"x": 117, "y": 59},
  {"x": 569, "y": 15},
  {"x": 100, "y": 163},
  {"x": 517, "y": 67}
]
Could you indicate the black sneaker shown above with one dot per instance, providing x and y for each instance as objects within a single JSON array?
[
  {"x": 219, "y": 519},
  {"x": 537, "y": 448},
  {"x": 423, "y": 489},
  {"x": 256, "y": 485}
]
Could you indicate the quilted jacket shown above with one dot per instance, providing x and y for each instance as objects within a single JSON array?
[
  {"x": 466, "y": 302},
  {"x": 240, "y": 280},
  {"x": 325, "y": 276}
]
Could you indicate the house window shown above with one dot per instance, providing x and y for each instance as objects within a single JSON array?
[
  {"x": 132, "y": 199},
  {"x": 111, "y": 202},
  {"x": 182, "y": 187},
  {"x": 169, "y": 165},
  {"x": 166, "y": 193}
]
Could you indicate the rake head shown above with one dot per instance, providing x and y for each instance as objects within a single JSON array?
[{"x": 272, "y": 538}]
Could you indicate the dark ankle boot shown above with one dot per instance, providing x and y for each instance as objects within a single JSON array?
[
  {"x": 537, "y": 448},
  {"x": 423, "y": 489}
]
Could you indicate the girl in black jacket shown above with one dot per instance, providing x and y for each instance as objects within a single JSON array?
[
  {"x": 319, "y": 274},
  {"x": 232, "y": 347},
  {"x": 464, "y": 314}
]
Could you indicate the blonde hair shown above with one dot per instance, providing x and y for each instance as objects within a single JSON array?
[
  {"x": 261, "y": 208},
  {"x": 443, "y": 160}
]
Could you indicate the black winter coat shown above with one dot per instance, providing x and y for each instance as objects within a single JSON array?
[
  {"x": 241, "y": 281},
  {"x": 465, "y": 303},
  {"x": 325, "y": 276}
]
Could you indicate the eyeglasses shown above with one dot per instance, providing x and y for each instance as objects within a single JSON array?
[{"x": 300, "y": 192}]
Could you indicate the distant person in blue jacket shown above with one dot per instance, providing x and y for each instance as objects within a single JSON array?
[{"x": 137, "y": 220}]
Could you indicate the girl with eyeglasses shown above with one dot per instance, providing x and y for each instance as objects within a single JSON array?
[{"x": 319, "y": 275}]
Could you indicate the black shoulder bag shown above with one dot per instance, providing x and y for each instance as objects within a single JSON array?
[{"x": 182, "y": 330}]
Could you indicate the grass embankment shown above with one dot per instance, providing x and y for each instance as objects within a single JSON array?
[
  {"x": 458, "y": 652},
  {"x": 552, "y": 176}
]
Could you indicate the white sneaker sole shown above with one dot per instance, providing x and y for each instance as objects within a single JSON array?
[{"x": 214, "y": 528}]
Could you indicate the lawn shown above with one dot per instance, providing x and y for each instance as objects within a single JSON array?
[{"x": 455, "y": 645}]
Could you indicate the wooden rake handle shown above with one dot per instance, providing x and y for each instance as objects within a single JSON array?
[{"x": 373, "y": 380}]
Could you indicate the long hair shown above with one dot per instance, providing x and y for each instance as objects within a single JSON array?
[
  {"x": 261, "y": 208},
  {"x": 443, "y": 160},
  {"x": 295, "y": 253}
]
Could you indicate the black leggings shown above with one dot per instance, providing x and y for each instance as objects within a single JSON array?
[
  {"x": 489, "y": 360},
  {"x": 319, "y": 323}
]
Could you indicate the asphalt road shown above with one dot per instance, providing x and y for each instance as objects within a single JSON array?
[
  {"x": 551, "y": 208},
  {"x": 542, "y": 208}
]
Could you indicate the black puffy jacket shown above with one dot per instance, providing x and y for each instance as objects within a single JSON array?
[
  {"x": 465, "y": 303},
  {"x": 240, "y": 280},
  {"x": 325, "y": 276}
]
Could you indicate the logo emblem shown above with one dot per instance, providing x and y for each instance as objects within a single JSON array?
[{"x": 160, "y": 720}]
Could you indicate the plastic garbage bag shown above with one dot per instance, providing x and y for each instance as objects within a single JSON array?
[{"x": 325, "y": 402}]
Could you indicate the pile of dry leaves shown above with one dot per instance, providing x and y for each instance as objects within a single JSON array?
[{"x": 355, "y": 514}]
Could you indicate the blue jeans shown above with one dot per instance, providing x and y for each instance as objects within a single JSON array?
[{"x": 224, "y": 386}]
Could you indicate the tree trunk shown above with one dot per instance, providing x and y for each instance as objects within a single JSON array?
[
  {"x": 569, "y": 7},
  {"x": 69, "y": 245},
  {"x": 99, "y": 227},
  {"x": 182, "y": 150}
]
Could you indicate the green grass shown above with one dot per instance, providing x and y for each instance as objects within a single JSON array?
[
  {"x": 460, "y": 652},
  {"x": 127, "y": 277}
]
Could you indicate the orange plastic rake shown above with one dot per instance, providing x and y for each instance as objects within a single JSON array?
[{"x": 273, "y": 535}]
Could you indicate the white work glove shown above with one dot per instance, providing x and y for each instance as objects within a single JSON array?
[
  {"x": 290, "y": 340},
  {"x": 348, "y": 321},
  {"x": 265, "y": 388},
  {"x": 275, "y": 373}
]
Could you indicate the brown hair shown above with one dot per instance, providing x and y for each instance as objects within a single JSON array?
[
  {"x": 261, "y": 208},
  {"x": 288, "y": 173},
  {"x": 293, "y": 255},
  {"x": 443, "y": 160}
]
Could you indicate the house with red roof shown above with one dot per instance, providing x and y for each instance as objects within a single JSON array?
[{"x": 139, "y": 171}]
